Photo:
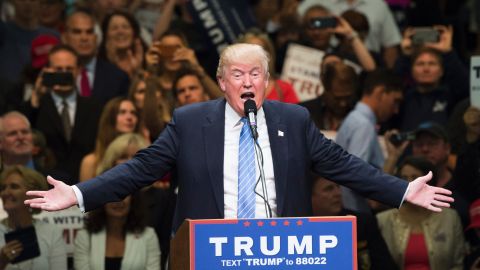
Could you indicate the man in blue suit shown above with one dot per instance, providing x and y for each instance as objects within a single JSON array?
[{"x": 201, "y": 147}]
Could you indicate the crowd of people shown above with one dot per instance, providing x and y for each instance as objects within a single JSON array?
[{"x": 86, "y": 84}]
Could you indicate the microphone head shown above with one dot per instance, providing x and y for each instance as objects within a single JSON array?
[{"x": 250, "y": 106}]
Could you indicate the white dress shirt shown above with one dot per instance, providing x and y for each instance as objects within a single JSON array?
[
  {"x": 72, "y": 105},
  {"x": 233, "y": 126}
]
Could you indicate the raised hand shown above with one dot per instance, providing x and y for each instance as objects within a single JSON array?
[
  {"x": 60, "y": 197},
  {"x": 429, "y": 197},
  {"x": 444, "y": 44}
]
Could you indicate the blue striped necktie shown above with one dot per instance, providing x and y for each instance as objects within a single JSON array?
[{"x": 246, "y": 173}]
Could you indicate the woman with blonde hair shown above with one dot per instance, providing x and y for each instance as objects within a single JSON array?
[
  {"x": 116, "y": 236},
  {"x": 15, "y": 181},
  {"x": 118, "y": 117}
]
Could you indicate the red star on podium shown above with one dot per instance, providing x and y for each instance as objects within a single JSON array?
[
  {"x": 299, "y": 223},
  {"x": 246, "y": 224},
  {"x": 286, "y": 223},
  {"x": 260, "y": 223},
  {"x": 273, "y": 223}
]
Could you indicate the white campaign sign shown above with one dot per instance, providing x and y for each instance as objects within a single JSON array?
[
  {"x": 475, "y": 81},
  {"x": 302, "y": 69}
]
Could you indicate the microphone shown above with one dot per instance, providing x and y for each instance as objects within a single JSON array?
[{"x": 250, "y": 109}]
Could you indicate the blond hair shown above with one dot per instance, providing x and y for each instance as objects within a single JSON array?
[
  {"x": 242, "y": 53},
  {"x": 33, "y": 180},
  {"x": 117, "y": 148}
]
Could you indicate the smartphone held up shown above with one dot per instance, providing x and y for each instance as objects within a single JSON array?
[{"x": 49, "y": 79}]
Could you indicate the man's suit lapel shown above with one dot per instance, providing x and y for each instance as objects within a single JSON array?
[
  {"x": 214, "y": 136},
  {"x": 278, "y": 135}
]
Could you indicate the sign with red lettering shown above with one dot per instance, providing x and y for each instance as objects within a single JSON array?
[{"x": 302, "y": 69}]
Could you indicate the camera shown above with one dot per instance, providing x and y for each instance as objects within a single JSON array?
[
  {"x": 167, "y": 51},
  {"x": 49, "y": 79},
  {"x": 323, "y": 22},
  {"x": 398, "y": 138},
  {"x": 425, "y": 34}
]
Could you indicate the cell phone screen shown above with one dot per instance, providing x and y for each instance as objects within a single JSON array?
[
  {"x": 323, "y": 22},
  {"x": 49, "y": 79},
  {"x": 425, "y": 34}
]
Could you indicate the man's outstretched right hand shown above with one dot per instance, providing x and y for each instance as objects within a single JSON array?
[{"x": 60, "y": 197}]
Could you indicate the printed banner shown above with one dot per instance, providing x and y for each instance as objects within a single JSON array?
[
  {"x": 69, "y": 221},
  {"x": 283, "y": 243},
  {"x": 223, "y": 21}
]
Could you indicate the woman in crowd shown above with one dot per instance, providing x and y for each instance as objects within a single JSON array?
[
  {"x": 119, "y": 116},
  {"x": 121, "y": 42},
  {"x": 167, "y": 56},
  {"x": 152, "y": 107},
  {"x": 115, "y": 236},
  {"x": 14, "y": 183},
  {"x": 438, "y": 79},
  {"x": 277, "y": 89},
  {"x": 418, "y": 238}
]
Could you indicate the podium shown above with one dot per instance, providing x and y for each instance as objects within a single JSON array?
[{"x": 260, "y": 244}]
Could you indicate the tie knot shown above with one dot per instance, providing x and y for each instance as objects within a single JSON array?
[{"x": 64, "y": 103}]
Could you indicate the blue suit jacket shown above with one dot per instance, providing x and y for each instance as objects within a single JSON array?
[{"x": 192, "y": 146}]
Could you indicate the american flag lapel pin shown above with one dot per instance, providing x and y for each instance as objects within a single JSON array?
[{"x": 280, "y": 133}]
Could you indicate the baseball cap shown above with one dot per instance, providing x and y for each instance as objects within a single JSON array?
[
  {"x": 432, "y": 128},
  {"x": 474, "y": 212},
  {"x": 40, "y": 47}
]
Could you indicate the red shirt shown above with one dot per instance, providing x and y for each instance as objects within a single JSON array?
[
  {"x": 287, "y": 91},
  {"x": 416, "y": 254}
]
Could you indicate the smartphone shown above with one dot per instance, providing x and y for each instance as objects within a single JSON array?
[
  {"x": 167, "y": 51},
  {"x": 50, "y": 79},
  {"x": 425, "y": 34},
  {"x": 323, "y": 22}
]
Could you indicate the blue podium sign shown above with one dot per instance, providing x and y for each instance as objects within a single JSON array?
[{"x": 281, "y": 243}]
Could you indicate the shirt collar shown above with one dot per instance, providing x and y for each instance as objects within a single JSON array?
[
  {"x": 365, "y": 110},
  {"x": 90, "y": 66},
  {"x": 232, "y": 117},
  {"x": 57, "y": 99}
]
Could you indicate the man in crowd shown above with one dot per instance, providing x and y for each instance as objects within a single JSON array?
[
  {"x": 381, "y": 97},
  {"x": 97, "y": 78},
  {"x": 16, "y": 143},
  {"x": 188, "y": 87},
  {"x": 68, "y": 121},
  {"x": 16, "y": 37}
]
